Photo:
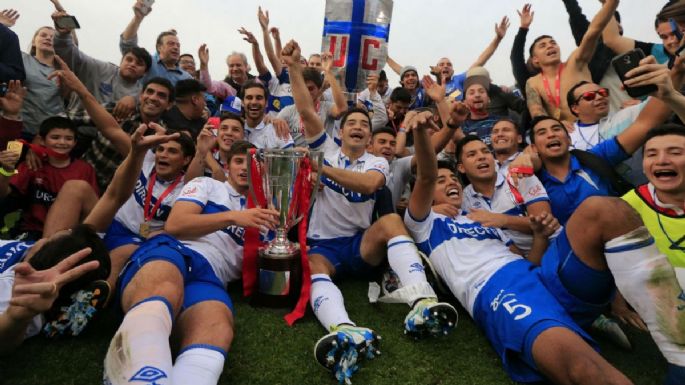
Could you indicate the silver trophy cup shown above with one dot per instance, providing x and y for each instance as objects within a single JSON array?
[{"x": 279, "y": 265}]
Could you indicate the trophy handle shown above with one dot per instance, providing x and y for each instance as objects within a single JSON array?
[{"x": 250, "y": 187}]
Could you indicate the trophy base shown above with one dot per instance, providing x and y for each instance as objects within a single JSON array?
[{"x": 279, "y": 280}]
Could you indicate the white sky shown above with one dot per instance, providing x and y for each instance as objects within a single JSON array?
[{"x": 421, "y": 32}]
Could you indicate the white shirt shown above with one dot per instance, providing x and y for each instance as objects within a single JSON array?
[
  {"x": 131, "y": 213},
  {"x": 223, "y": 248},
  {"x": 11, "y": 253},
  {"x": 464, "y": 253},
  {"x": 503, "y": 167},
  {"x": 400, "y": 173},
  {"x": 339, "y": 212},
  {"x": 503, "y": 201},
  {"x": 264, "y": 136},
  {"x": 324, "y": 110}
]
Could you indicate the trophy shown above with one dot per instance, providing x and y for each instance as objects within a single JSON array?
[{"x": 279, "y": 264}]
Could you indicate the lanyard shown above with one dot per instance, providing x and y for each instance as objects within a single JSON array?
[
  {"x": 147, "y": 213},
  {"x": 590, "y": 145},
  {"x": 556, "y": 99}
]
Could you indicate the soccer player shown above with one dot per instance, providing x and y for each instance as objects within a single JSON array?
[
  {"x": 493, "y": 201},
  {"x": 179, "y": 277},
  {"x": 532, "y": 315},
  {"x": 263, "y": 135},
  {"x": 343, "y": 240},
  {"x": 506, "y": 141},
  {"x": 38, "y": 277},
  {"x": 544, "y": 92}
]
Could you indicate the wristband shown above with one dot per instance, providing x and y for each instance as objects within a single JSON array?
[
  {"x": 522, "y": 170},
  {"x": 8, "y": 173}
]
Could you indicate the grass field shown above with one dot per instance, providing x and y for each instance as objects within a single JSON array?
[{"x": 267, "y": 351}]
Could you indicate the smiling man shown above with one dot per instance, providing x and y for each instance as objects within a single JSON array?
[{"x": 255, "y": 96}]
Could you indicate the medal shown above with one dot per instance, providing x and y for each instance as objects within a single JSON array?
[
  {"x": 144, "y": 230},
  {"x": 149, "y": 213}
]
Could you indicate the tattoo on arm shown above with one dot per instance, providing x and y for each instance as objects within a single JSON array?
[{"x": 534, "y": 101}]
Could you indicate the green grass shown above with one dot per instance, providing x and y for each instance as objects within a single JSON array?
[{"x": 267, "y": 351}]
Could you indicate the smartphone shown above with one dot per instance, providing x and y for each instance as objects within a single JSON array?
[
  {"x": 147, "y": 6},
  {"x": 67, "y": 22},
  {"x": 626, "y": 62},
  {"x": 3, "y": 90}
]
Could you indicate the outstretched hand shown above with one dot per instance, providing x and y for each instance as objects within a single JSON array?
[
  {"x": 526, "y": 14},
  {"x": 35, "y": 291},
  {"x": 203, "y": 55},
  {"x": 66, "y": 78},
  {"x": 248, "y": 36},
  {"x": 502, "y": 27},
  {"x": 434, "y": 90},
  {"x": 257, "y": 217},
  {"x": 649, "y": 72},
  {"x": 263, "y": 17},
  {"x": 140, "y": 142},
  {"x": 9, "y": 17},
  {"x": 13, "y": 100}
]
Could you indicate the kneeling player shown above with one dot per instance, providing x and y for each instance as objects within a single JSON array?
[
  {"x": 343, "y": 240},
  {"x": 180, "y": 278},
  {"x": 532, "y": 315}
]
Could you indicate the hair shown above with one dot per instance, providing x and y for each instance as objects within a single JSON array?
[
  {"x": 509, "y": 120},
  {"x": 164, "y": 83},
  {"x": 537, "y": 39},
  {"x": 187, "y": 55},
  {"x": 447, "y": 164},
  {"x": 313, "y": 75},
  {"x": 534, "y": 122},
  {"x": 674, "y": 9},
  {"x": 382, "y": 76},
  {"x": 400, "y": 94},
  {"x": 32, "y": 48},
  {"x": 54, "y": 122},
  {"x": 384, "y": 130},
  {"x": 239, "y": 147},
  {"x": 571, "y": 97},
  {"x": 314, "y": 55},
  {"x": 185, "y": 140},
  {"x": 187, "y": 87},
  {"x": 351, "y": 111},
  {"x": 463, "y": 142},
  {"x": 161, "y": 37},
  {"x": 231, "y": 116},
  {"x": 56, "y": 250},
  {"x": 665, "y": 129},
  {"x": 236, "y": 53},
  {"x": 253, "y": 84},
  {"x": 141, "y": 54}
]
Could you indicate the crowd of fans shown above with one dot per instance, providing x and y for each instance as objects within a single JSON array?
[{"x": 546, "y": 209}]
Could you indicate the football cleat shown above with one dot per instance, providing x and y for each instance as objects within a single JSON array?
[
  {"x": 341, "y": 350},
  {"x": 429, "y": 317}
]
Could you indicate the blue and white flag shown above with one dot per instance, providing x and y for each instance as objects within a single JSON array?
[{"x": 356, "y": 33}]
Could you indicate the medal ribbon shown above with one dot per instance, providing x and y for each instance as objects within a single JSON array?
[
  {"x": 44, "y": 152},
  {"x": 556, "y": 99},
  {"x": 147, "y": 213}
]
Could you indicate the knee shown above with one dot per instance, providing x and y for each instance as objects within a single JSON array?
[
  {"x": 222, "y": 330},
  {"x": 584, "y": 370},
  {"x": 167, "y": 289},
  {"x": 609, "y": 210},
  {"x": 392, "y": 225},
  {"x": 318, "y": 264},
  {"x": 76, "y": 188}
]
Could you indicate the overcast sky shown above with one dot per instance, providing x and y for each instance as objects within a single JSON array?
[{"x": 421, "y": 31}]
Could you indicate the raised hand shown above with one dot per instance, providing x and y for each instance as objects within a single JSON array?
[
  {"x": 205, "y": 139},
  {"x": 66, "y": 78},
  {"x": 291, "y": 53},
  {"x": 275, "y": 33},
  {"x": 249, "y": 37},
  {"x": 263, "y": 18},
  {"x": 9, "y": 17},
  {"x": 141, "y": 142},
  {"x": 372, "y": 83},
  {"x": 35, "y": 291},
  {"x": 458, "y": 114},
  {"x": 203, "y": 55},
  {"x": 327, "y": 61},
  {"x": 434, "y": 90},
  {"x": 55, "y": 16},
  {"x": 13, "y": 100},
  {"x": 421, "y": 120},
  {"x": 141, "y": 10},
  {"x": 8, "y": 160},
  {"x": 649, "y": 72},
  {"x": 526, "y": 14},
  {"x": 501, "y": 28}
]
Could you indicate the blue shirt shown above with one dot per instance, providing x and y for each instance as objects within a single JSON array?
[
  {"x": 482, "y": 128},
  {"x": 158, "y": 69},
  {"x": 581, "y": 182},
  {"x": 454, "y": 89}
]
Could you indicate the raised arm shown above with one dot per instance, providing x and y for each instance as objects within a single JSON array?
[
  {"x": 275, "y": 61},
  {"x": 583, "y": 54},
  {"x": 205, "y": 141},
  {"x": 577, "y": 20},
  {"x": 256, "y": 52},
  {"x": 500, "y": 32},
  {"x": 421, "y": 198},
  {"x": 130, "y": 35},
  {"x": 313, "y": 126},
  {"x": 336, "y": 90},
  {"x": 518, "y": 49},
  {"x": 394, "y": 66},
  {"x": 103, "y": 120},
  {"x": 612, "y": 38}
]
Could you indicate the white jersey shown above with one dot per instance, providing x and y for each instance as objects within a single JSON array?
[
  {"x": 504, "y": 201},
  {"x": 464, "y": 253},
  {"x": 503, "y": 167},
  {"x": 223, "y": 248},
  {"x": 339, "y": 212},
  {"x": 264, "y": 136},
  {"x": 11, "y": 253},
  {"x": 131, "y": 213}
]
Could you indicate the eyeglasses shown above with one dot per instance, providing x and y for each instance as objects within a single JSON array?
[{"x": 591, "y": 95}]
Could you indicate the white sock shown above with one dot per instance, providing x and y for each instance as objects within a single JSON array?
[
  {"x": 648, "y": 282},
  {"x": 140, "y": 348},
  {"x": 199, "y": 365},
  {"x": 327, "y": 302},
  {"x": 403, "y": 257}
]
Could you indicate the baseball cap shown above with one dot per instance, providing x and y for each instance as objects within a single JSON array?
[{"x": 477, "y": 75}]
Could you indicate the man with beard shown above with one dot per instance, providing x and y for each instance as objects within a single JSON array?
[
  {"x": 477, "y": 99},
  {"x": 263, "y": 135}
]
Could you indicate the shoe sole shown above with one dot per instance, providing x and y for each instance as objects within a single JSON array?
[{"x": 442, "y": 318}]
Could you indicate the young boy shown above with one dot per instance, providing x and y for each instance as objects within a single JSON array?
[{"x": 38, "y": 188}]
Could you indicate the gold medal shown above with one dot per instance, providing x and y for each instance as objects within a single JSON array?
[
  {"x": 15, "y": 146},
  {"x": 144, "y": 230}
]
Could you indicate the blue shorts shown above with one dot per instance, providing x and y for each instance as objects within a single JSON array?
[
  {"x": 200, "y": 282},
  {"x": 513, "y": 309},
  {"x": 343, "y": 253},
  {"x": 583, "y": 291},
  {"x": 118, "y": 235}
]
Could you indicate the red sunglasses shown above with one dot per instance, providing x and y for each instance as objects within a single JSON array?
[{"x": 591, "y": 95}]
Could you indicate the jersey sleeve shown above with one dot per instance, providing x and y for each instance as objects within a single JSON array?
[
  {"x": 22, "y": 180},
  {"x": 611, "y": 151},
  {"x": 323, "y": 143},
  {"x": 378, "y": 164},
  {"x": 420, "y": 229},
  {"x": 532, "y": 190},
  {"x": 196, "y": 191}
]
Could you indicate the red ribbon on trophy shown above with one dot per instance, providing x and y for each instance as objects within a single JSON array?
[{"x": 252, "y": 239}]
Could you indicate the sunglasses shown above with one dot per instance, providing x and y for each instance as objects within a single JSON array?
[{"x": 592, "y": 95}]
